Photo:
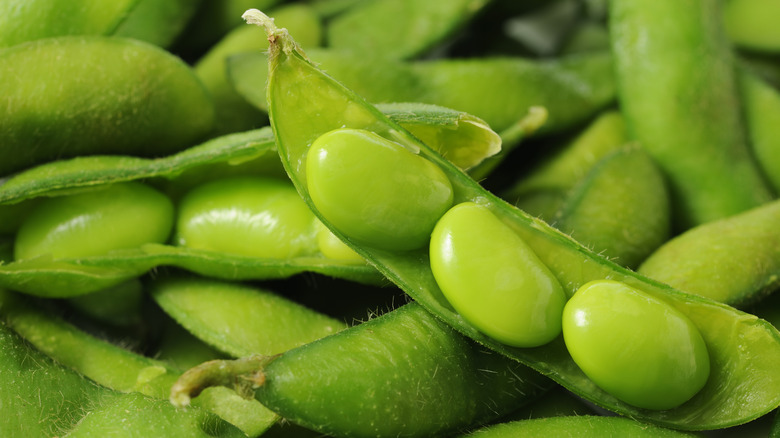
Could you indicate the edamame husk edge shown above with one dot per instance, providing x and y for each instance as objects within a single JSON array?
[{"x": 744, "y": 350}]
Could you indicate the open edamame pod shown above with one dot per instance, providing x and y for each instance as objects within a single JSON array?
[
  {"x": 57, "y": 104},
  {"x": 744, "y": 382},
  {"x": 678, "y": 92},
  {"x": 405, "y": 373}
]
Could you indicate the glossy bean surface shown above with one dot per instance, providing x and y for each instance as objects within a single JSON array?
[
  {"x": 96, "y": 222},
  {"x": 347, "y": 172},
  {"x": 634, "y": 346},
  {"x": 259, "y": 217},
  {"x": 493, "y": 279}
]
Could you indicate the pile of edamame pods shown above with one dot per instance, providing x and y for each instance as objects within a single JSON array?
[{"x": 373, "y": 218}]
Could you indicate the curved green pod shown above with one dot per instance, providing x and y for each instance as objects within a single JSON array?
[
  {"x": 61, "y": 395},
  {"x": 142, "y": 101},
  {"x": 750, "y": 24},
  {"x": 240, "y": 320},
  {"x": 744, "y": 382},
  {"x": 116, "y": 368},
  {"x": 735, "y": 260},
  {"x": 213, "y": 20},
  {"x": 542, "y": 191},
  {"x": 584, "y": 426},
  {"x": 233, "y": 112},
  {"x": 41, "y": 398},
  {"x": 70, "y": 277},
  {"x": 497, "y": 90},
  {"x": 762, "y": 116},
  {"x": 157, "y": 22},
  {"x": 145, "y": 416},
  {"x": 417, "y": 26},
  {"x": 677, "y": 89},
  {"x": 405, "y": 373},
  {"x": 620, "y": 209},
  {"x": 28, "y": 20}
]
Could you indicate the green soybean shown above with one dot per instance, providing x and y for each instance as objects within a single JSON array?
[
  {"x": 142, "y": 101},
  {"x": 743, "y": 349},
  {"x": 347, "y": 171},
  {"x": 28, "y": 20},
  {"x": 236, "y": 154},
  {"x": 388, "y": 376},
  {"x": 635, "y": 346},
  {"x": 605, "y": 212},
  {"x": 259, "y": 217},
  {"x": 684, "y": 109},
  {"x": 95, "y": 222},
  {"x": 240, "y": 320},
  {"x": 493, "y": 279},
  {"x": 735, "y": 260}
]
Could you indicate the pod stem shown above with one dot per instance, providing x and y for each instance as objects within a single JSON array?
[
  {"x": 278, "y": 37},
  {"x": 242, "y": 375}
]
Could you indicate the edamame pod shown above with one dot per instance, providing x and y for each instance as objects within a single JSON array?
[
  {"x": 28, "y": 20},
  {"x": 739, "y": 371},
  {"x": 61, "y": 395},
  {"x": 157, "y": 22},
  {"x": 677, "y": 90},
  {"x": 388, "y": 376},
  {"x": 497, "y": 90},
  {"x": 417, "y": 26},
  {"x": 116, "y": 368},
  {"x": 142, "y": 101},
  {"x": 542, "y": 191},
  {"x": 240, "y": 320},
  {"x": 620, "y": 209},
  {"x": 750, "y": 24},
  {"x": 216, "y": 158},
  {"x": 735, "y": 260},
  {"x": 762, "y": 115},
  {"x": 233, "y": 113},
  {"x": 584, "y": 426}
]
